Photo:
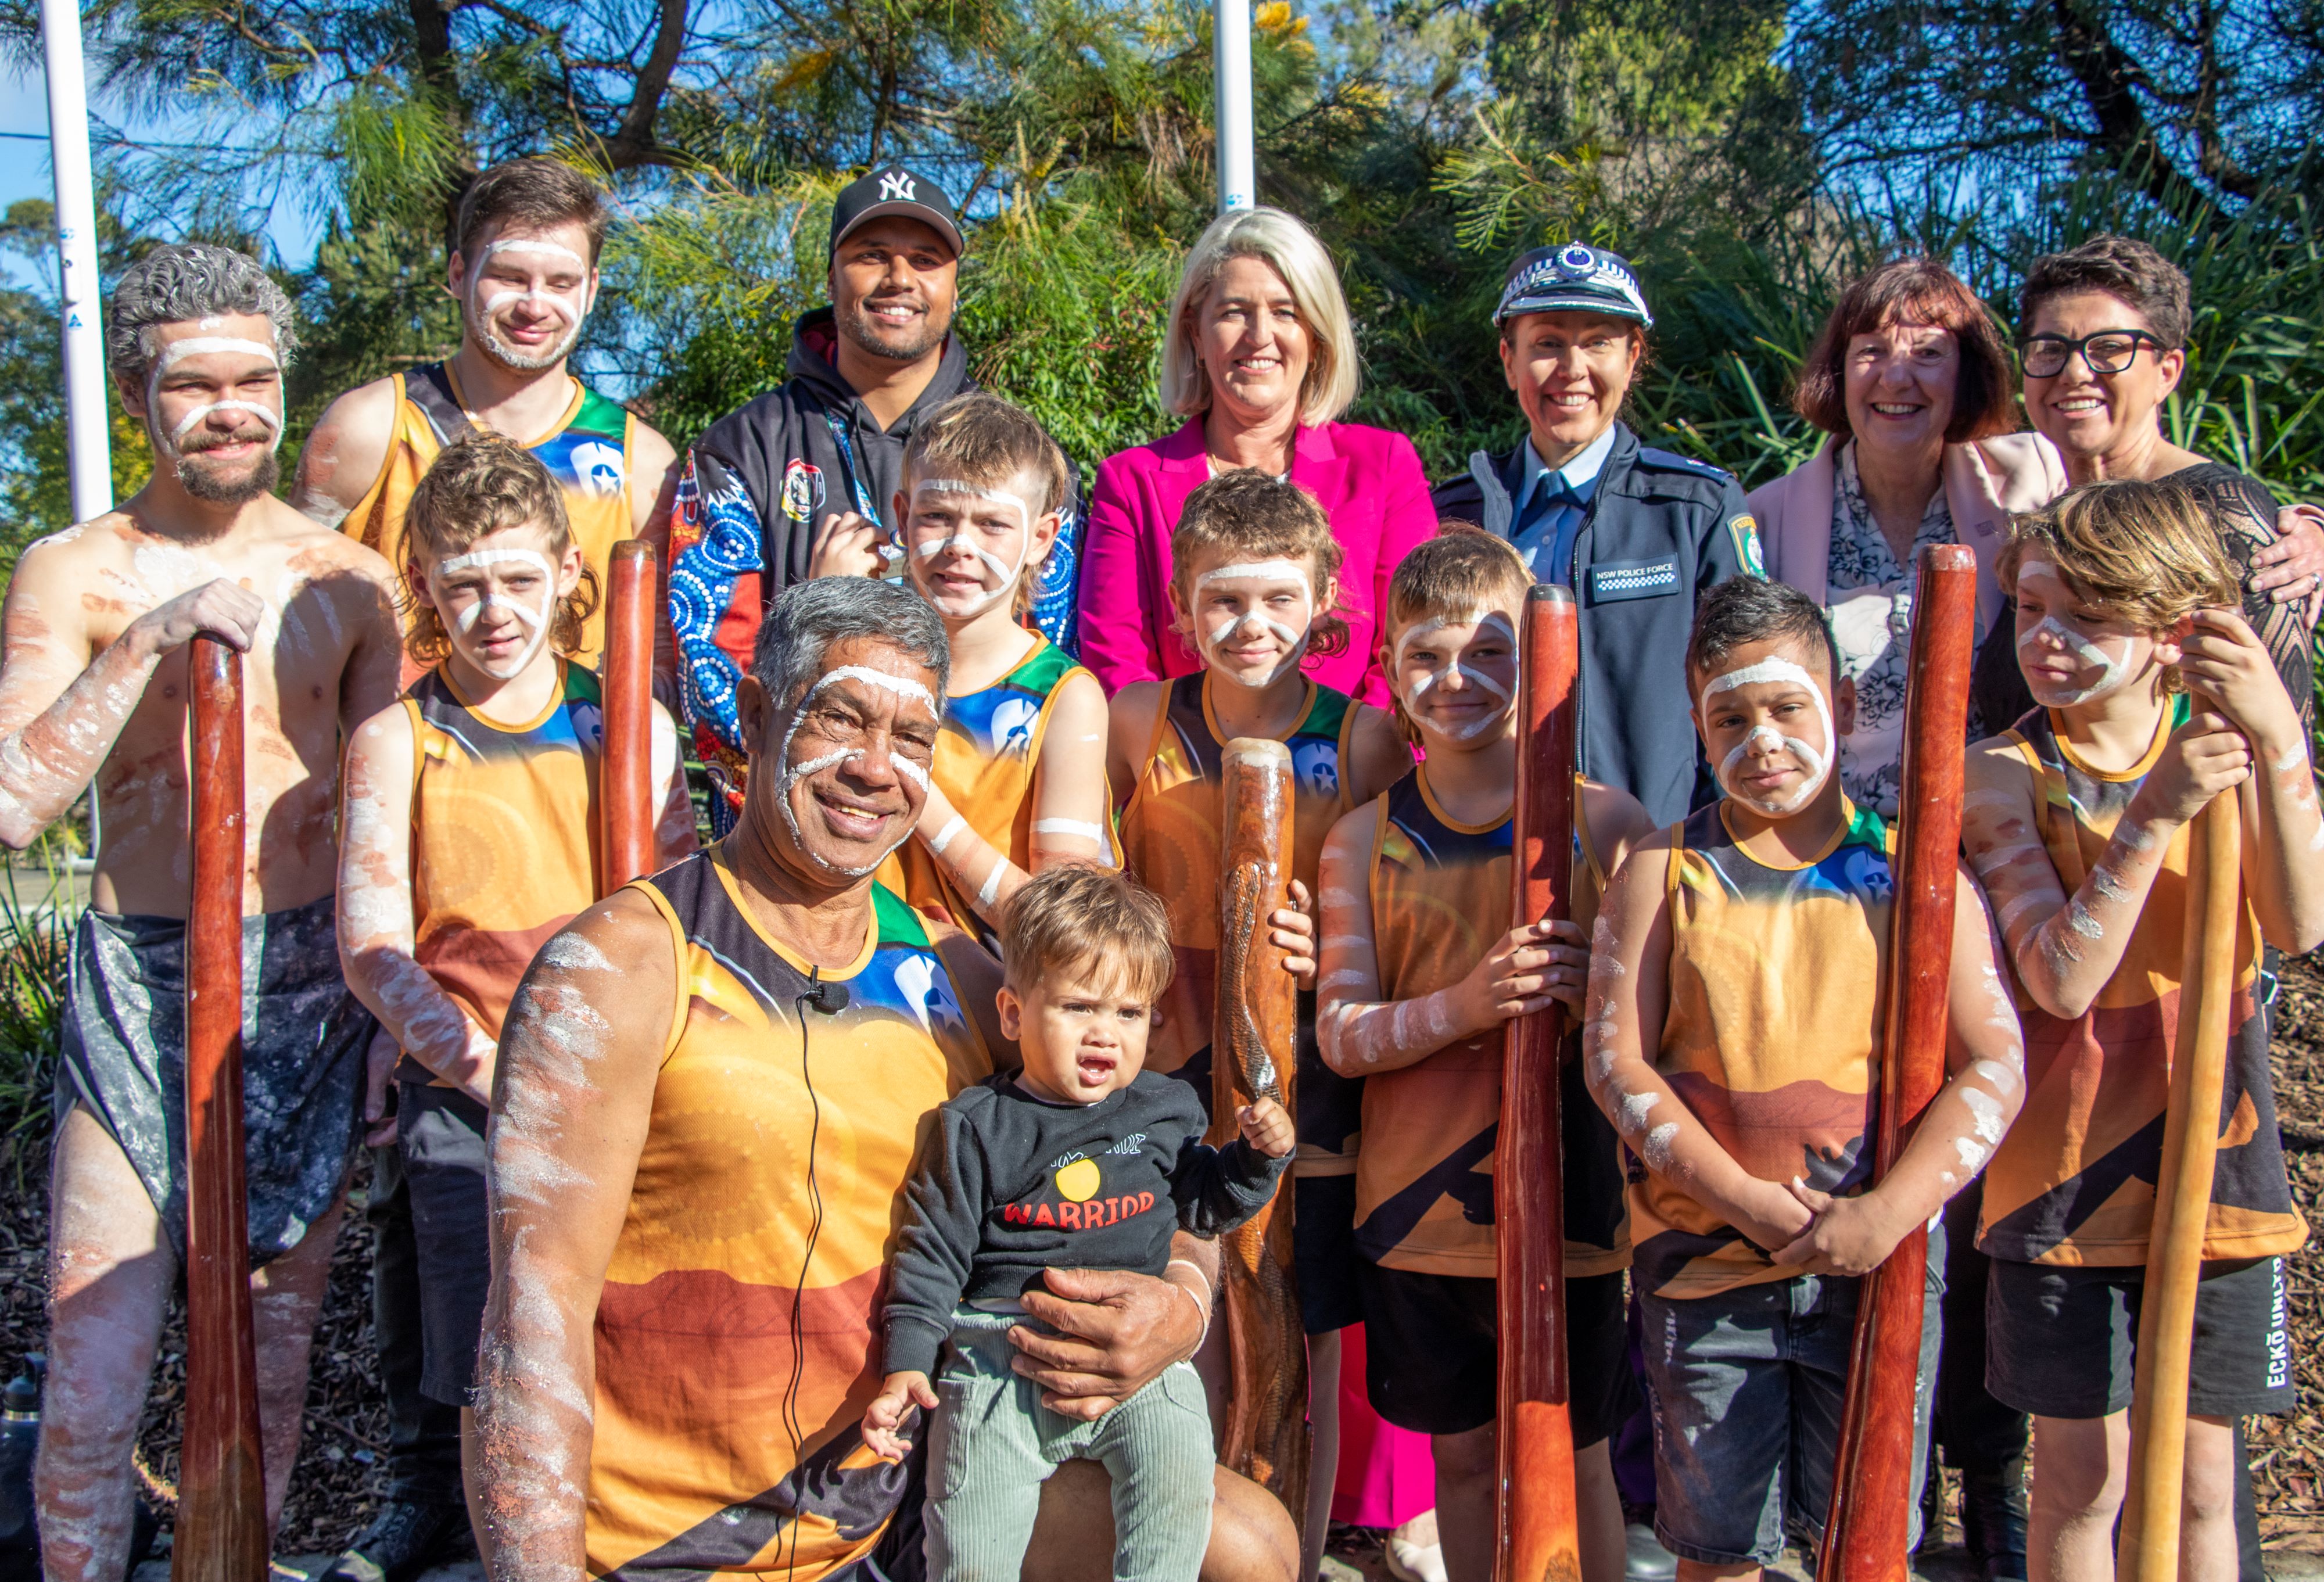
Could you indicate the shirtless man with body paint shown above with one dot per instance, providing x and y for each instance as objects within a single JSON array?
[
  {"x": 93, "y": 689},
  {"x": 706, "y": 1103}
]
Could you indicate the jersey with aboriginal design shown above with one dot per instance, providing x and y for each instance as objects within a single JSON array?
[
  {"x": 737, "y": 1337},
  {"x": 1440, "y": 895},
  {"x": 987, "y": 756},
  {"x": 1170, "y": 835},
  {"x": 503, "y": 836},
  {"x": 2073, "y": 1181},
  {"x": 1771, "y": 1036}
]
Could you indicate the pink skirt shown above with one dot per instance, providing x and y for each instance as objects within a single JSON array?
[{"x": 1388, "y": 1474}]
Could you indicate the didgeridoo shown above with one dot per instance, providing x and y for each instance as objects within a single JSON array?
[
  {"x": 221, "y": 1534},
  {"x": 1866, "y": 1536},
  {"x": 1539, "y": 1538},
  {"x": 1254, "y": 1053},
  {"x": 2149, "y": 1547},
  {"x": 626, "y": 770}
]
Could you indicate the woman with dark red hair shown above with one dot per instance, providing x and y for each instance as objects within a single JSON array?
[{"x": 1912, "y": 379}]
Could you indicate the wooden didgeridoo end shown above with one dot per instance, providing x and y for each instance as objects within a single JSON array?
[
  {"x": 221, "y": 1530},
  {"x": 1869, "y": 1525},
  {"x": 2149, "y": 1548},
  {"x": 625, "y": 771},
  {"x": 1538, "y": 1510},
  {"x": 1254, "y": 1051}
]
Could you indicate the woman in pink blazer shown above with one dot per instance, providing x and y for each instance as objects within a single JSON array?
[{"x": 1261, "y": 358}]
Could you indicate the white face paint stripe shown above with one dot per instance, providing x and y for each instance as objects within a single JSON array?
[
  {"x": 532, "y": 557},
  {"x": 198, "y": 346},
  {"x": 2026, "y": 568},
  {"x": 1272, "y": 570},
  {"x": 1769, "y": 669},
  {"x": 903, "y": 687},
  {"x": 1069, "y": 826},
  {"x": 2113, "y": 668},
  {"x": 974, "y": 492},
  {"x": 200, "y": 414},
  {"x": 545, "y": 249}
]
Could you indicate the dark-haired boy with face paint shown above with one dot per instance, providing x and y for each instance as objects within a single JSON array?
[
  {"x": 2077, "y": 821},
  {"x": 1733, "y": 1038}
]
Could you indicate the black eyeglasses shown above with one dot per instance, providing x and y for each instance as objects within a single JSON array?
[{"x": 2109, "y": 351}]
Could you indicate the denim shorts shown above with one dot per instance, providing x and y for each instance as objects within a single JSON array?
[{"x": 1746, "y": 1390}]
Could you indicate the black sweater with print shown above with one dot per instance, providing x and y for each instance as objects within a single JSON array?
[{"x": 1014, "y": 1185}]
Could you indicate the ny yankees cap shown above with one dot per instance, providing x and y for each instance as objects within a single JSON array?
[
  {"x": 1573, "y": 278},
  {"x": 893, "y": 189}
]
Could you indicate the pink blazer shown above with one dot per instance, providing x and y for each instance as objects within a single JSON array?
[{"x": 1367, "y": 480}]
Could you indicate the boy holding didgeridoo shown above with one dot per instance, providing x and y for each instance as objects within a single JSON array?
[
  {"x": 2153, "y": 696},
  {"x": 1734, "y": 1039}
]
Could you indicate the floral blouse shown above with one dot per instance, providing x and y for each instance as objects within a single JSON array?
[{"x": 1870, "y": 602}]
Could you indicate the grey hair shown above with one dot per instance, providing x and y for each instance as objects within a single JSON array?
[
  {"x": 807, "y": 618},
  {"x": 184, "y": 282}
]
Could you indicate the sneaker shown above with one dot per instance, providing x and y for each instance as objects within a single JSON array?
[
  {"x": 1646, "y": 1560},
  {"x": 402, "y": 1540}
]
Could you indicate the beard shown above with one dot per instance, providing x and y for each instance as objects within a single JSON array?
[
  {"x": 856, "y": 324},
  {"x": 480, "y": 331},
  {"x": 216, "y": 487}
]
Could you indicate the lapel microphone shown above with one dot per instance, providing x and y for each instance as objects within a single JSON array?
[{"x": 829, "y": 997}]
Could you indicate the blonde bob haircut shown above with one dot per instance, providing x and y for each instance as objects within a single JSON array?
[{"x": 1291, "y": 249}]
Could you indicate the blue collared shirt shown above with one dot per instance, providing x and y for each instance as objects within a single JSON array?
[{"x": 1557, "y": 528}]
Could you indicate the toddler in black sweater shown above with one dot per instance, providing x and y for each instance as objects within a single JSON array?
[{"x": 1081, "y": 1160}]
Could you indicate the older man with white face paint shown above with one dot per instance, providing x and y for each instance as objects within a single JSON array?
[
  {"x": 93, "y": 692},
  {"x": 525, "y": 271},
  {"x": 711, "y": 1090}
]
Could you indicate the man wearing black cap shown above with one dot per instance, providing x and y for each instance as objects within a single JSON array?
[
  {"x": 796, "y": 484},
  {"x": 1637, "y": 532}
]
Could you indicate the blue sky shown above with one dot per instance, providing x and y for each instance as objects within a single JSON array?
[{"x": 24, "y": 172}]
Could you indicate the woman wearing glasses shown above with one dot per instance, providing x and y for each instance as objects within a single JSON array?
[
  {"x": 2103, "y": 333},
  {"x": 1912, "y": 381}
]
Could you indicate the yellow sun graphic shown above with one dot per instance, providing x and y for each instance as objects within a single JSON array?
[{"x": 1078, "y": 1182}]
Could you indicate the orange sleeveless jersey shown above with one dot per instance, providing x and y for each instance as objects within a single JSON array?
[
  {"x": 503, "y": 834},
  {"x": 726, "y": 1247},
  {"x": 1440, "y": 893},
  {"x": 1170, "y": 843},
  {"x": 2073, "y": 1181}
]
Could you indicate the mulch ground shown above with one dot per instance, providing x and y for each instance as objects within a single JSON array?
[{"x": 340, "y": 1475}]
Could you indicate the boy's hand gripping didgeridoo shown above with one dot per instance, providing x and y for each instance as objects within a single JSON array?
[
  {"x": 1539, "y": 1538},
  {"x": 626, "y": 770},
  {"x": 221, "y": 1477},
  {"x": 2149, "y": 1548},
  {"x": 1872, "y": 1473},
  {"x": 1256, "y": 1051}
]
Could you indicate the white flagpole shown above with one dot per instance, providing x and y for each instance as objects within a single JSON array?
[
  {"x": 1231, "y": 73},
  {"x": 86, "y": 413}
]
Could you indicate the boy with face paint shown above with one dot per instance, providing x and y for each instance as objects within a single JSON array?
[
  {"x": 1019, "y": 781},
  {"x": 2153, "y": 695},
  {"x": 1419, "y": 980},
  {"x": 93, "y": 699},
  {"x": 469, "y": 839},
  {"x": 1737, "y": 977},
  {"x": 525, "y": 272}
]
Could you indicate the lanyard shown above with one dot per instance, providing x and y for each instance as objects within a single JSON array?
[{"x": 847, "y": 461}]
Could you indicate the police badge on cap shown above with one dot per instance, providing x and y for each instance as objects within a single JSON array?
[{"x": 1573, "y": 278}]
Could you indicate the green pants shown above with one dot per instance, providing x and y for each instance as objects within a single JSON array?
[{"x": 993, "y": 1445}]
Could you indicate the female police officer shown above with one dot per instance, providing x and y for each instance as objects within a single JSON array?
[{"x": 1638, "y": 533}]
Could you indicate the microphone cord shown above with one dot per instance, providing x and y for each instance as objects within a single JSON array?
[{"x": 791, "y": 1424}]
